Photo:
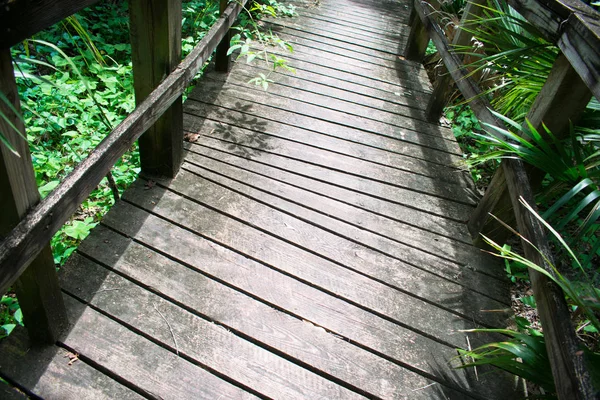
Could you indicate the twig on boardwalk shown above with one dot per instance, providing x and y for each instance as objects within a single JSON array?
[
  {"x": 425, "y": 387},
  {"x": 170, "y": 329}
]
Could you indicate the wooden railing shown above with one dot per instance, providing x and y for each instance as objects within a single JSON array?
[
  {"x": 160, "y": 78},
  {"x": 575, "y": 29}
]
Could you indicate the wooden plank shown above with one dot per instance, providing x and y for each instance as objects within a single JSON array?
[
  {"x": 409, "y": 216},
  {"x": 417, "y": 41},
  {"x": 407, "y": 81},
  {"x": 152, "y": 369},
  {"x": 398, "y": 241},
  {"x": 385, "y": 43},
  {"x": 265, "y": 227},
  {"x": 402, "y": 119},
  {"x": 196, "y": 111},
  {"x": 444, "y": 85},
  {"x": 306, "y": 309},
  {"x": 21, "y": 19},
  {"x": 34, "y": 231},
  {"x": 37, "y": 286},
  {"x": 301, "y": 27},
  {"x": 360, "y": 14},
  {"x": 197, "y": 339},
  {"x": 438, "y": 140},
  {"x": 155, "y": 31},
  {"x": 414, "y": 200},
  {"x": 412, "y": 173},
  {"x": 46, "y": 372},
  {"x": 327, "y": 83}
]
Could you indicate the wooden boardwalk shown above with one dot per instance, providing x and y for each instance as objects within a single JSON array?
[{"x": 312, "y": 246}]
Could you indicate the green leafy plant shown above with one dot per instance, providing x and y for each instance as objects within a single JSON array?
[{"x": 524, "y": 353}]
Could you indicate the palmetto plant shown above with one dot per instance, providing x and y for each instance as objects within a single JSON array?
[
  {"x": 572, "y": 189},
  {"x": 524, "y": 352}
]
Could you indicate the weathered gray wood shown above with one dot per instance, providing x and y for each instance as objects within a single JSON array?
[
  {"x": 407, "y": 81},
  {"x": 34, "y": 231},
  {"x": 246, "y": 224},
  {"x": 417, "y": 41},
  {"x": 222, "y": 60},
  {"x": 360, "y": 146},
  {"x": 46, "y": 371},
  {"x": 264, "y": 323},
  {"x": 20, "y": 19},
  {"x": 410, "y": 216},
  {"x": 562, "y": 100},
  {"x": 352, "y": 111},
  {"x": 573, "y": 26},
  {"x": 444, "y": 85},
  {"x": 401, "y": 242},
  {"x": 155, "y": 31},
  {"x": 414, "y": 174},
  {"x": 437, "y": 139},
  {"x": 152, "y": 369},
  {"x": 37, "y": 286},
  {"x": 302, "y": 27},
  {"x": 196, "y": 338}
]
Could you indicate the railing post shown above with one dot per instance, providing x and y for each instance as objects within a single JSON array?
[
  {"x": 155, "y": 31},
  {"x": 222, "y": 60},
  {"x": 562, "y": 99},
  {"x": 444, "y": 83},
  {"x": 418, "y": 39},
  {"x": 37, "y": 289}
]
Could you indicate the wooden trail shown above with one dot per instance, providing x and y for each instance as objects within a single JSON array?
[{"x": 312, "y": 246}]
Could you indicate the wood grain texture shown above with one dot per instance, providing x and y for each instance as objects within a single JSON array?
[
  {"x": 21, "y": 19},
  {"x": 313, "y": 323},
  {"x": 36, "y": 286},
  {"x": 155, "y": 31},
  {"x": 34, "y": 231},
  {"x": 46, "y": 371},
  {"x": 200, "y": 340}
]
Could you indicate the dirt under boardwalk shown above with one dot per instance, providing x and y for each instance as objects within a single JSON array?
[{"x": 312, "y": 246}]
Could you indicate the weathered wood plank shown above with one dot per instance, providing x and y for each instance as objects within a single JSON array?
[
  {"x": 21, "y": 19},
  {"x": 154, "y": 370},
  {"x": 196, "y": 114},
  {"x": 222, "y": 59},
  {"x": 437, "y": 206},
  {"x": 403, "y": 121},
  {"x": 32, "y": 233},
  {"x": 375, "y": 336},
  {"x": 438, "y": 138},
  {"x": 259, "y": 225},
  {"x": 197, "y": 339},
  {"x": 155, "y": 31},
  {"x": 398, "y": 241},
  {"x": 410, "y": 216},
  {"x": 417, "y": 41},
  {"x": 37, "y": 286},
  {"x": 299, "y": 27},
  {"x": 46, "y": 371}
]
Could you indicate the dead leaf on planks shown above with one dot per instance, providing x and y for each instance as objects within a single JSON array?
[
  {"x": 149, "y": 185},
  {"x": 73, "y": 357},
  {"x": 191, "y": 137}
]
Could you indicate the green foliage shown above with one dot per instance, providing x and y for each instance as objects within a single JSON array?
[
  {"x": 524, "y": 354},
  {"x": 10, "y": 315}
]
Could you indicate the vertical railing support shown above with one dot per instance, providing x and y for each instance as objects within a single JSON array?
[
  {"x": 418, "y": 39},
  {"x": 37, "y": 289},
  {"x": 562, "y": 99},
  {"x": 444, "y": 84},
  {"x": 155, "y": 30},
  {"x": 222, "y": 60}
]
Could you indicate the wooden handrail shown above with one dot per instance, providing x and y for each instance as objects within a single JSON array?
[
  {"x": 34, "y": 232},
  {"x": 571, "y": 376}
]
